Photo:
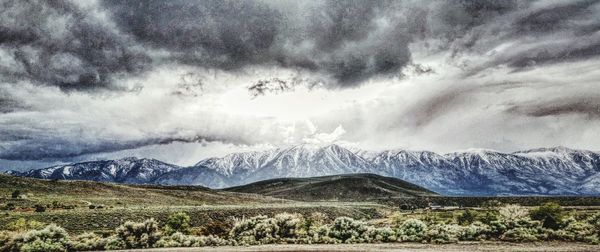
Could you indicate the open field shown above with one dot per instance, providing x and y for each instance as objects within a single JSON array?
[
  {"x": 81, "y": 206},
  {"x": 102, "y": 220},
  {"x": 97, "y": 216}
]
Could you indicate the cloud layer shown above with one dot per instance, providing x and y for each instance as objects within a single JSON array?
[{"x": 84, "y": 78}]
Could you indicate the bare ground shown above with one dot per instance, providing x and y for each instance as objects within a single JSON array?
[{"x": 463, "y": 246}]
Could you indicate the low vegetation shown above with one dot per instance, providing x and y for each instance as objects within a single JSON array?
[{"x": 511, "y": 223}]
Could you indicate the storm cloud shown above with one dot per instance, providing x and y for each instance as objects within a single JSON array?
[{"x": 83, "y": 78}]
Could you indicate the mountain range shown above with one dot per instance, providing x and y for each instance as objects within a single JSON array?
[{"x": 544, "y": 171}]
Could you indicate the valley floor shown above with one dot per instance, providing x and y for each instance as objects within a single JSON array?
[{"x": 463, "y": 246}]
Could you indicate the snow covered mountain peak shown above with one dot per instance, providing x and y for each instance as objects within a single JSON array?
[
  {"x": 126, "y": 170},
  {"x": 547, "y": 171}
]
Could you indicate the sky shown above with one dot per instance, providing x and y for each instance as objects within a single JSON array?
[{"x": 181, "y": 81}]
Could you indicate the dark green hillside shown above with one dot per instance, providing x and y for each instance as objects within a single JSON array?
[{"x": 349, "y": 187}]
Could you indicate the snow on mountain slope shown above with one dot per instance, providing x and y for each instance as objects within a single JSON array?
[
  {"x": 243, "y": 168},
  {"x": 236, "y": 162},
  {"x": 545, "y": 171},
  {"x": 195, "y": 175},
  {"x": 127, "y": 170},
  {"x": 549, "y": 171}
]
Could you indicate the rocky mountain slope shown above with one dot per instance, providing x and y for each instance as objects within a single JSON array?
[
  {"x": 127, "y": 170},
  {"x": 545, "y": 171}
]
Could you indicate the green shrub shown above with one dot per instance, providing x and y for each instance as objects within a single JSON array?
[
  {"x": 88, "y": 241},
  {"x": 289, "y": 225},
  {"x": 550, "y": 214},
  {"x": 114, "y": 243},
  {"x": 594, "y": 220},
  {"x": 396, "y": 219},
  {"x": 244, "y": 230},
  {"x": 475, "y": 232},
  {"x": 442, "y": 233},
  {"x": 213, "y": 227},
  {"x": 513, "y": 213},
  {"x": 317, "y": 219},
  {"x": 579, "y": 230},
  {"x": 9, "y": 206},
  {"x": 22, "y": 225},
  {"x": 520, "y": 234},
  {"x": 40, "y": 208},
  {"x": 261, "y": 229},
  {"x": 347, "y": 229},
  {"x": 178, "y": 222},
  {"x": 412, "y": 230},
  {"x": 497, "y": 228},
  {"x": 321, "y": 235},
  {"x": 384, "y": 234},
  {"x": 181, "y": 240},
  {"x": 49, "y": 239},
  {"x": 137, "y": 235},
  {"x": 6, "y": 241},
  {"x": 16, "y": 194},
  {"x": 467, "y": 217}
]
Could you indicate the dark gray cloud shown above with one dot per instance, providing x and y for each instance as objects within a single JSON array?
[
  {"x": 540, "y": 33},
  {"x": 234, "y": 34},
  {"x": 584, "y": 106},
  {"x": 63, "y": 44},
  {"x": 57, "y": 43},
  {"x": 20, "y": 147},
  {"x": 88, "y": 48}
]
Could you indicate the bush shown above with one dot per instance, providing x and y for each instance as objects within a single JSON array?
[
  {"x": 289, "y": 225},
  {"x": 384, "y": 234},
  {"x": 347, "y": 229},
  {"x": 22, "y": 225},
  {"x": 49, "y": 239},
  {"x": 40, "y": 208},
  {"x": 213, "y": 227},
  {"x": 261, "y": 229},
  {"x": 137, "y": 235},
  {"x": 441, "y": 233},
  {"x": 396, "y": 219},
  {"x": 88, "y": 241},
  {"x": 594, "y": 220},
  {"x": 181, "y": 240},
  {"x": 477, "y": 231},
  {"x": 467, "y": 217},
  {"x": 412, "y": 230},
  {"x": 489, "y": 217},
  {"x": 9, "y": 206},
  {"x": 243, "y": 230},
  {"x": 497, "y": 228},
  {"x": 318, "y": 219},
  {"x": 178, "y": 222},
  {"x": 550, "y": 214},
  {"x": 513, "y": 213},
  {"x": 16, "y": 194},
  {"x": 6, "y": 241},
  {"x": 520, "y": 234}
]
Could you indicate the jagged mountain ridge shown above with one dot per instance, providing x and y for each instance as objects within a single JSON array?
[
  {"x": 545, "y": 171},
  {"x": 127, "y": 170}
]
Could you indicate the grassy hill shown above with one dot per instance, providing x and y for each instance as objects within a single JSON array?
[
  {"x": 77, "y": 193},
  {"x": 82, "y": 206},
  {"x": 350, "y": 187}
]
